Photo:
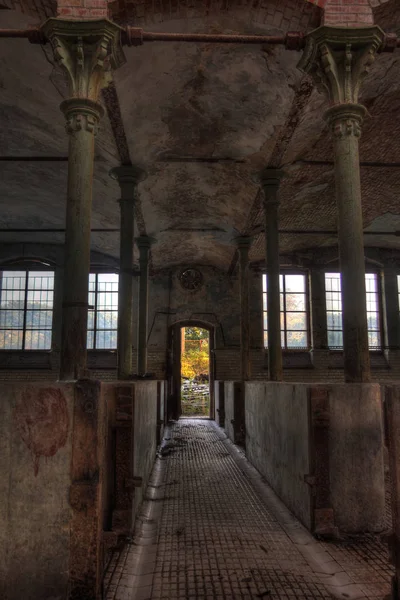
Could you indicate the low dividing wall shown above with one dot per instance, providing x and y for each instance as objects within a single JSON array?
[
  {"x": 70, "y": 455},
  {"x": 277, "y": 441},
  {"x": 144, "y": 440},
  {"x": 320, "y": 447},
  {"x": 36, "y": 422},
  {"x": 234, "y": 411}
]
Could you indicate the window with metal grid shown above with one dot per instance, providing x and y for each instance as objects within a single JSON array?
[
  {"x": 294, "y": 312},
  {"x": 103, "y": 311},
  {"x": 334, "y": 311},
  {"x": 26, "y": 309},
  {"x": 398, "y": 288}
]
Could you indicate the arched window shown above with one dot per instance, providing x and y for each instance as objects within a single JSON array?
[
  {"x": 26, "y": 308},
  {"x": 333, "y": 293},
  {"x": 103, "y": 311},
  {"x": 294, "y": 311}
]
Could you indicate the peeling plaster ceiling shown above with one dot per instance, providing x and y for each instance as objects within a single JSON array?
[{"x": 183, "y": 106}]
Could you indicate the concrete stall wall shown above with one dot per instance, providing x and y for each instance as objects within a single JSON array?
[
  {"x": 320, "y": 448},
  {"x": 36, "y": 423},
  {"x": 234, "y": 411},
  {"x": 277, "y": 441},
  {"x": 59, "y": 480},
  {"x": 144, "y": 438},
  {"x": 356, "y": 467}
]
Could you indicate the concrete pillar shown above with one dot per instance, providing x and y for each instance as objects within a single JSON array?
[
  {"x": 84, "y": 49},
  {"x": 243, "y": 246},
  {"x": 339, "y": 59},
  {"x": 318, "y": 310},
  {"x": 391, "y": 298},
  {"x": 143, "y": 242},
  {"x": 128, "y": 178},
  {"x": 270, "y": 181}
]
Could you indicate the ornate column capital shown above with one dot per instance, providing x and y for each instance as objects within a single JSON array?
[
  {"x": 243, "y": 241},
  {"x": 81, "y": 113},
  {"x": 270, "y": 180},
  {"x": 86, "y": 51},
  {"x": 128, "y": 177},
  {"x": 346, "y": 119},
  {"x": 144, "y": 243},
  {"x": 127, "y": 174},
  {"x": 339, "y": 58},
  {"x": 271, "y": 177},
  {"x": 243, "y": 244}
]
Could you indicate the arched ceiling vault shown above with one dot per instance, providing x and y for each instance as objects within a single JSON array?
[{"x": 202, "y": 120}]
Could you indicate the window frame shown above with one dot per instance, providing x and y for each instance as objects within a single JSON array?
[
  {"x": 95, "y": 329},
  {"x": 30, "y": 267},
  {"x": 382, "y": 333},
  {"x": 307, "y": 310}
]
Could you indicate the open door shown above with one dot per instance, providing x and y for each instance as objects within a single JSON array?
[
  {"x": 195, "y": 371},
  {"x": 183, "y": 337}
]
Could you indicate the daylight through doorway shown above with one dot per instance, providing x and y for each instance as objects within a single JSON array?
[{"x": 195, "y": 372}]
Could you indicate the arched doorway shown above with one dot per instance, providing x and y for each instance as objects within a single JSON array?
[{"x": 191, "y": 378}]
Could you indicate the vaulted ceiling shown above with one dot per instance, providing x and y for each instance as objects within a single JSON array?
[{"x": 202, "y": 120}]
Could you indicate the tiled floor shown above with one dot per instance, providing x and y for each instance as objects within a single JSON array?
[{"x": 211, "y": 529}]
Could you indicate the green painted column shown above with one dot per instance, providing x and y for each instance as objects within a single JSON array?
[
  {"x": 243, "y": 246},
  {"x": 144, "y": 243},
  {"x": 270, "y": 181},
  {"x": 338, "y": 59},
  {"x": 128, "y": 178},
  {"x": 85, "y": 51}
]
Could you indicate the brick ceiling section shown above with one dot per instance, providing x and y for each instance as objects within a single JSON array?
[{"x": 287, "y": 15}]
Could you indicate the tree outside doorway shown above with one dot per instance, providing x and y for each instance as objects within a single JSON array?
[{"x": 195, "y": 371}]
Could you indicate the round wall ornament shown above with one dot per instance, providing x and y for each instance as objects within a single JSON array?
[{"x": 190, "y": 279}]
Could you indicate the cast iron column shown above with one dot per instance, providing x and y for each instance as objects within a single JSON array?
[
  {"x": 270, "y": 181},
  {"x": 143, "y": 242},
  {"x": 339, "y": 59},
  {"x": 85, "y": 50},
  {"x": 128, "y": 178},
  {"x": 243, "y": 246}
]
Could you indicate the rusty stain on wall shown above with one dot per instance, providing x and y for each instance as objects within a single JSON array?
[{"x": 42, "y": 421}]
